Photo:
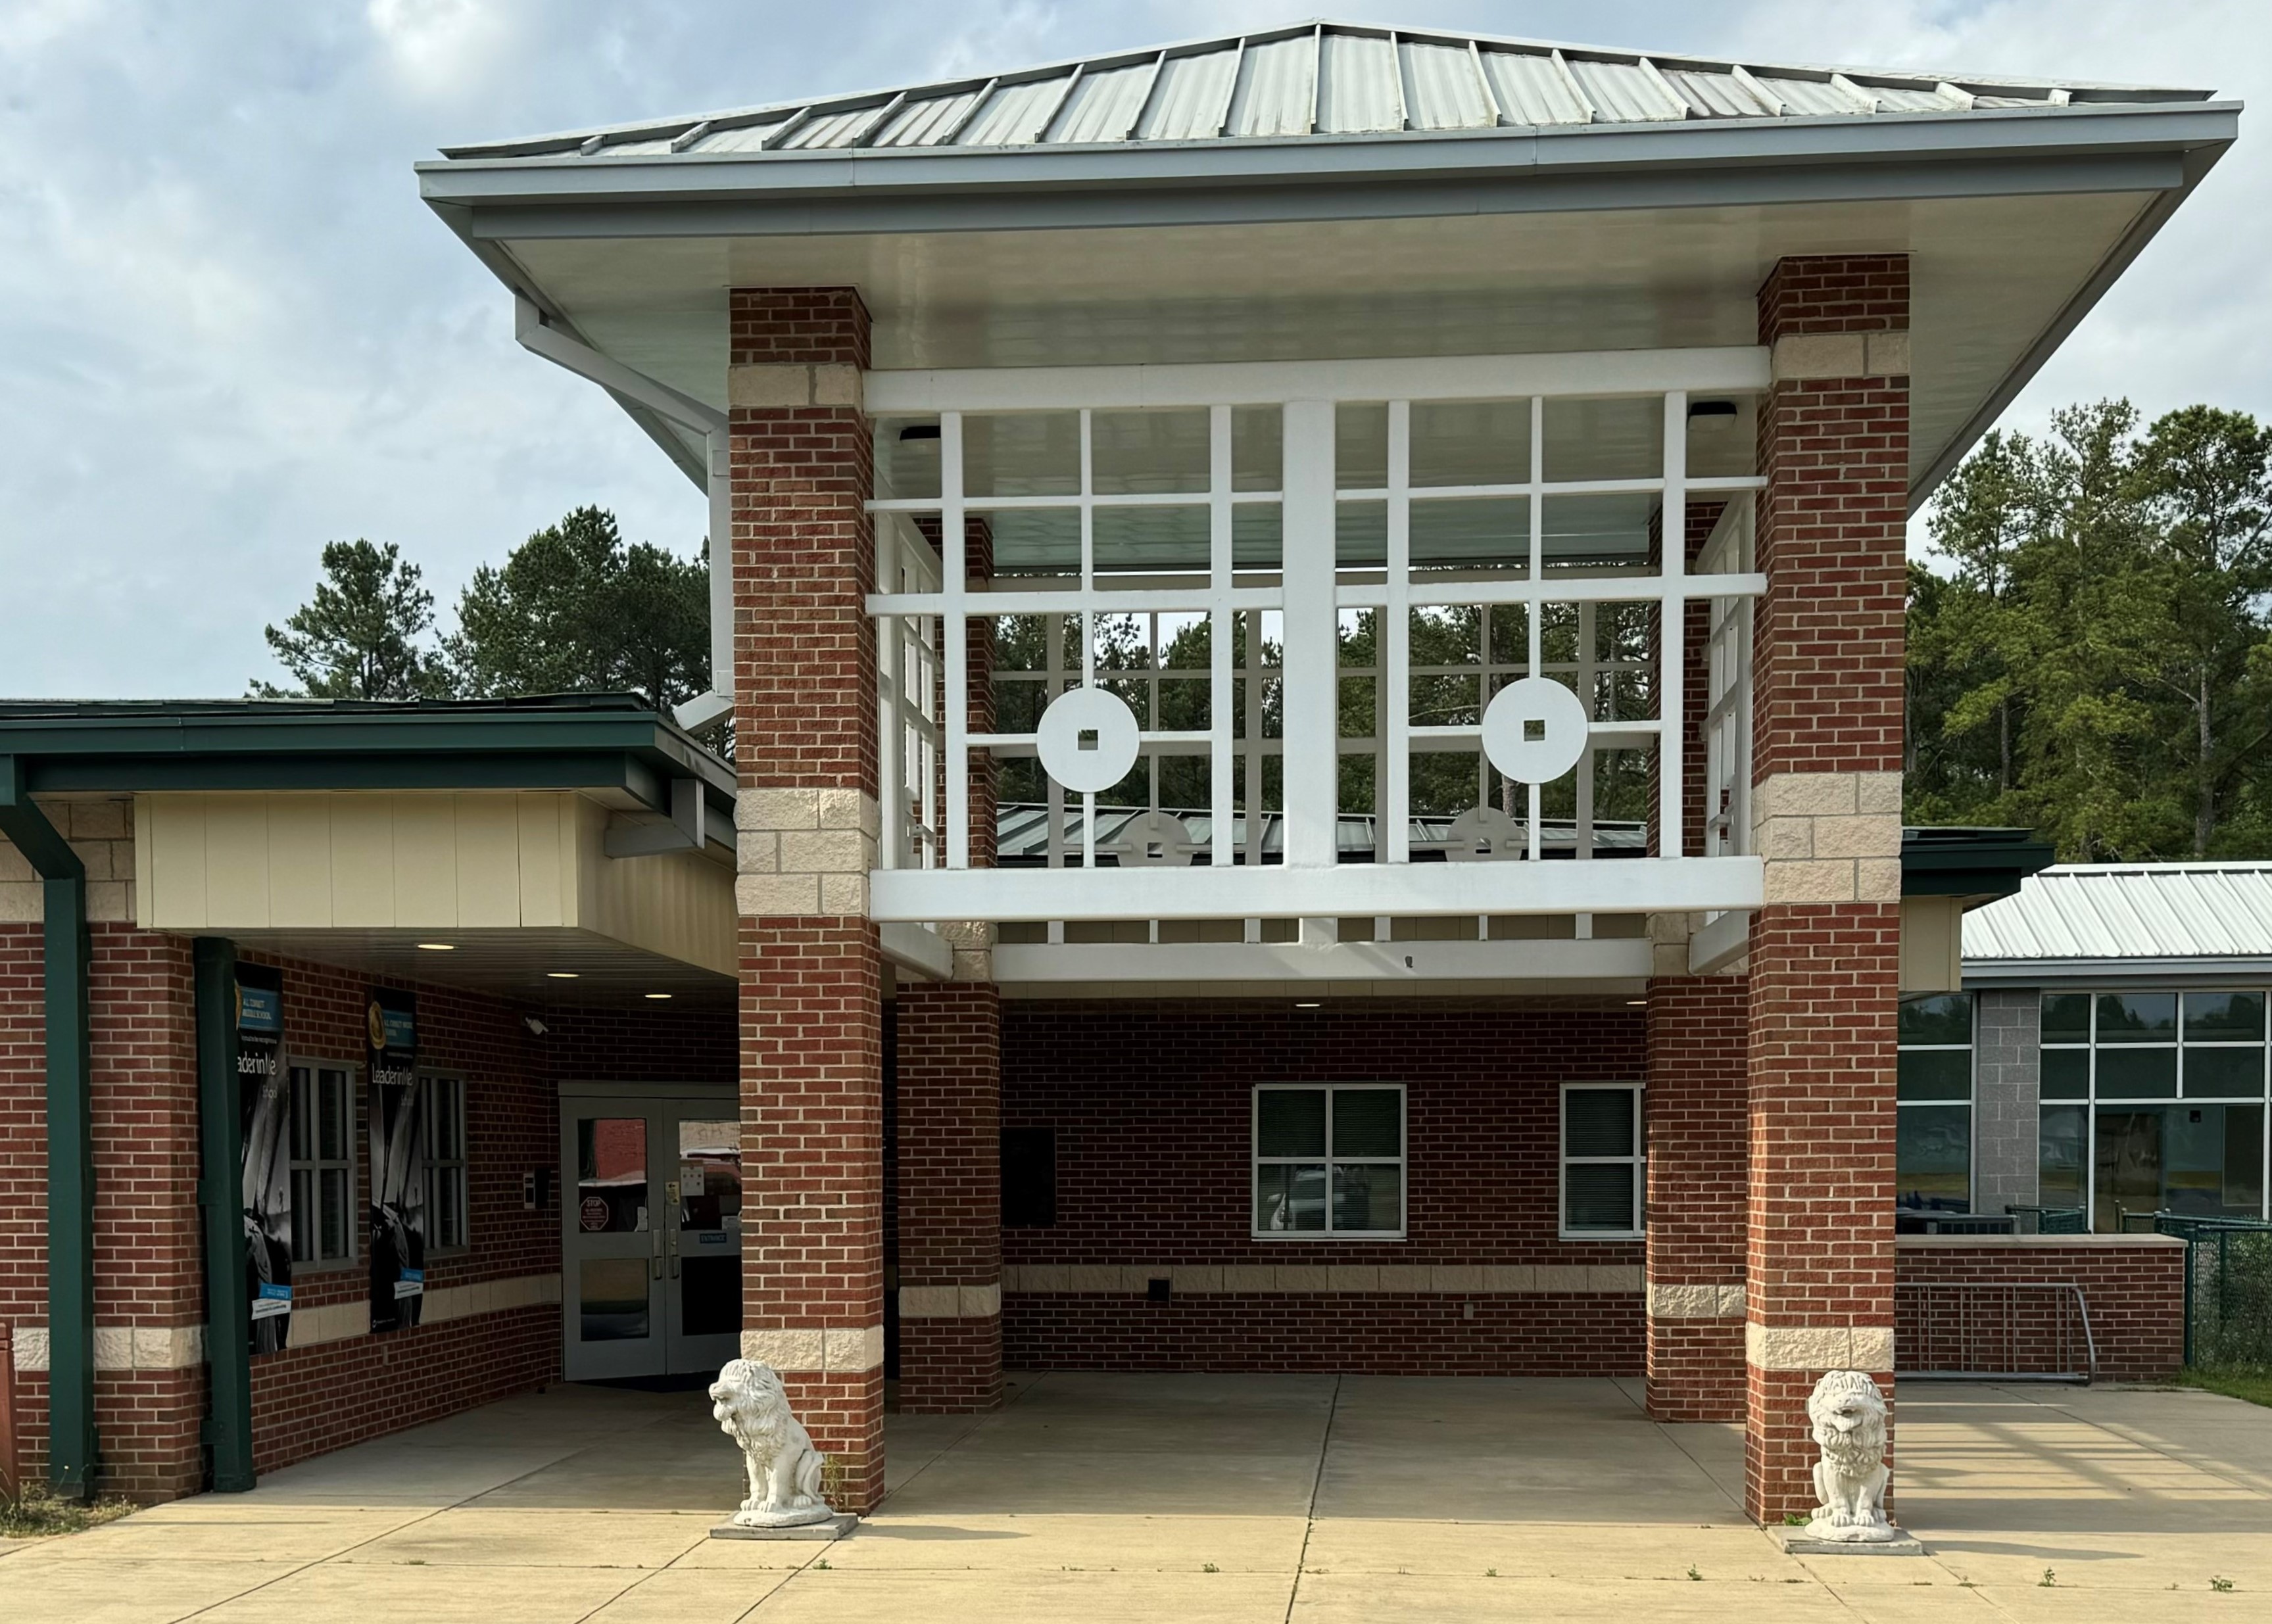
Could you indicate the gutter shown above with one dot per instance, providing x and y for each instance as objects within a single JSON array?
[
  {"x": 542, "y": 335},
  {"x": 71, "y": 1443}
]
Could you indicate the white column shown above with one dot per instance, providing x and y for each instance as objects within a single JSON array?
[{"x": 1310, "y": 770}]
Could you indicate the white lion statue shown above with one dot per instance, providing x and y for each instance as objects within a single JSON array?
[
  {"x": 784, "y": 1468},
  {"x": 1848, "y": 1413}
]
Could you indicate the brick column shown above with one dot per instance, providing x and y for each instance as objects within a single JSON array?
[
  {"x": 950, "y": 1214},
  {"x": 1696, "y": 1197},
  {"x": 1826, "y": 756},
  {"x": 811, "y": 998}
]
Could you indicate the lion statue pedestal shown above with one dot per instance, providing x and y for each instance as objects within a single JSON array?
[{"x": 784, "y": 1469}]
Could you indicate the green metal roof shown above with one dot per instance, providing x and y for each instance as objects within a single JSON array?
[
  {"x": 1979, "y": 864},
  {"x": 544, "y": 741}
]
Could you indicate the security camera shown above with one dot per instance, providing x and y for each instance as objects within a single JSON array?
[{"x": 536, "y": 1027}]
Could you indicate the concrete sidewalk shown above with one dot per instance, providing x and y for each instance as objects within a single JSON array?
[{"x": 1247, "y": 1498}]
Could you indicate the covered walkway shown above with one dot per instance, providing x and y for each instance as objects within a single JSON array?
[{"x": 1261, "y": 1498}]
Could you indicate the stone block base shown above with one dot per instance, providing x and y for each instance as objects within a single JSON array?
[
  {"x": 1798, "y": 1542},
  {"x": 835, "y": 1528}
]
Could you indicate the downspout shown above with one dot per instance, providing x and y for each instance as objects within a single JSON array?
[
  {"x": 220, "y": 1143},
  {"x": 70, "y": 1139},
  {"x": 539, "y": 339}
]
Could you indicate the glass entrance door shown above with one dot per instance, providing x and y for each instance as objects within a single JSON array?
[{"x": 651, "y": 1237}]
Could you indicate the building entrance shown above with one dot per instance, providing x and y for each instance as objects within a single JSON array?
[{"x": 651, "y": 1236}]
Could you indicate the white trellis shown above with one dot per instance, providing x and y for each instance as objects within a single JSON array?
[{"x": 927, "y": 594}]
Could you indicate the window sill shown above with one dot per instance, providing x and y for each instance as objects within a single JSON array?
[
  {"x": 1602, "y": 1234},
  {"x": 1328, "y": 1236}
]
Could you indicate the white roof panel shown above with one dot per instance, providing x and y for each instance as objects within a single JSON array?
[
  {"x": 1193, "y": 92},
  {"x": 1360, "y": 87},
  {"x": 1361, "y": 81},
  {"x": 1277, "y": 83},
  {"x": 1533, "y": 89},
  {"x": 2128, "y": 911}
]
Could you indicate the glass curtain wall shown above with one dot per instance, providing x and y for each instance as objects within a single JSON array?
[{"x": 2154, "y": 1102}]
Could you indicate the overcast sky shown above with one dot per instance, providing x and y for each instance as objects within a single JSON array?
[{"x": 231, "y": 332}]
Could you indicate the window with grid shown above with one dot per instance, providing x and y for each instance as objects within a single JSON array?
[
  {"x": 445, "y": 1119},
  {"x": 1932, "y": 1156},
  {"x": 322, "y": 1164},
  {"x": 1601, "y": 1161},
  {"x": 1329, "y": 1161},
  {"x": 2152, "y": 1102}
]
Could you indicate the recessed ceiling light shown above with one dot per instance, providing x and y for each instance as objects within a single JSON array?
[
  {"x": 1636, "y": 1003},
  {"x": 437, "y": 947},
  {"x": 560, "y": 975},
  {"x": 1306, "y": 1006},
  {"x": 658, "y": 994}
]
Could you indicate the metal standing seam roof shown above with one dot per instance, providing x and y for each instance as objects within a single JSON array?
[
  {"x": 1308, "y": 80},
  {"x": 2129, "y": 911}
]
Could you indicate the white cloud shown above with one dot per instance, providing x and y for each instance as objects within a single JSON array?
[{"x": 229, "y": 332}]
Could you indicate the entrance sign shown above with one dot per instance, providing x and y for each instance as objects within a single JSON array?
[
  {"x": 398, "y": 1172},
  {"x": 264, "y": 1099}
]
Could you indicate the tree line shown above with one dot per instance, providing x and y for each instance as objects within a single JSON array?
[
  {"x": 2090, "y": 648},
  {"x": 573, "y": 609}
]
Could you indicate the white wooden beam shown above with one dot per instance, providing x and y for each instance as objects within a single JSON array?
[
  {"x": 1624, "y": 958},
  {"x": 1735, "y": 368},
  {"x": 1684, "y": 885}
]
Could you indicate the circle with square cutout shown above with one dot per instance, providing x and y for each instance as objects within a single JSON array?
[
  {"x": 1535, "y": 730},
  {"x": 1087, "y": 740}
]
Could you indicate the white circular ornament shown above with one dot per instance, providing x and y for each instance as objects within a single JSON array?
[
  {"x": 1152, "y": 841},
  {"x": 1535, "y": 730},
  {"x": 1087, "y": 740},
  {"x": 1485, "y": 835}
]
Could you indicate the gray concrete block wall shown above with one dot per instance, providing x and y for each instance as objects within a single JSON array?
[{"x": 2006, "y": 1088}]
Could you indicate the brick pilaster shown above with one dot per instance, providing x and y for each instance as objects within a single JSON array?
[
  {"x": 811, "y": 1004},
  {"x": 950, "y": 1196},
  {"x": 1827, "y": 755},
  {"x": 1696, "y": 1197}
]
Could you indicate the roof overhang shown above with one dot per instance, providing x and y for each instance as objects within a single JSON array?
[
  {"x": 2143, "y": 973},
  {"x": 615, "y": 748},
  {"x": 1973, "y": 865},
  {"x": 1548, "y": 238}
]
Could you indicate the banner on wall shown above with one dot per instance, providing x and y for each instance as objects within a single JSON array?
[
  {"x": 264, "y": 1102},
  {"x": 398, "y": 1171}
]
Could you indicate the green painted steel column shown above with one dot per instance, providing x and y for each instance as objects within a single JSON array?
[
  {"x": 71, "y": 1137},
  {"x": 221, "y": 1135}
]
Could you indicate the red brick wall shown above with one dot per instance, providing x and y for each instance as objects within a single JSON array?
[
  {"x": 149, "y": 1251},
  {"x": 1833, "y": 527},
  {"x": 1375, "y": 1333},
  {"x": 1151, "y": 1105},
  {"x": 309, "y": 1400},
  {"x": 949, "y": 1186},
  {"x": 804, "y": 556},
  {"x": 2133, "y": 1285},
  {"x": 812, "y": 1002},
  {"x": 1697, "y": 1081},
  {"x": 1826, "y": 697}
]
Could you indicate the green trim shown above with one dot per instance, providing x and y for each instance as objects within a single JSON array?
[
  {"x": 72, "y": 1442},
  {"x": 1980, "y": 864},
  {"x": 221, "y": 1134},
  {"x": 598, "y": 742}
]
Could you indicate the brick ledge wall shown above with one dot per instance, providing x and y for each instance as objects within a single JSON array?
[{"x": 2133, "y": 1286}]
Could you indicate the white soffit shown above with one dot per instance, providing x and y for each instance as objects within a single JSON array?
[{"x": 2128, "y": 912}]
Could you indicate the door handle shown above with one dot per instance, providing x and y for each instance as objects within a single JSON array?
[
  {"x": 671, "y": 1247},
  {"x": 658, "y": 1253}
]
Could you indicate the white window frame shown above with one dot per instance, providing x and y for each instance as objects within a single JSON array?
[
  {"x": 315, "y": 1165},
  {"x": 1256, "y": 1161},
  {"x": 1564, "y": 1161},
  {"x": 925, "y": 866},
  {"x": 437, "y": 1169}
]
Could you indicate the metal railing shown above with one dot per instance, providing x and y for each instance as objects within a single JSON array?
[{"x": 1993, "y": 1330}]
